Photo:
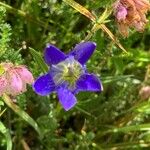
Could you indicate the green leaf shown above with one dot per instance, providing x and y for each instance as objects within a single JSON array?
[
  {"x": 127, "y": 129},
  {"x": 84, "y": 111},
  {"x": 1, "y": 70},
  {"x": 143, "y": 108},
  {"x": 137, "y": 145},
  {"x": 119, "y": 65},
  {"x": 81, "y": 9},
  {"x": 37, "y": 57},
  {"x": 110, "y": 79},
  {"x": 23, "y": 14},
  {"x": 5, "y": 132},
  {"x": 47, "y": 124},
  {"x": 97, "y": 25},
  {"x": 21, "y": 113}
]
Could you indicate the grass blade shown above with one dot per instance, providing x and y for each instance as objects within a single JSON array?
[
  {"x": 81, "y": 9},
  {"x": 37, "y": 57},
  {"x": 5, "y": 132},
  {"x": 21, "y": 113}
]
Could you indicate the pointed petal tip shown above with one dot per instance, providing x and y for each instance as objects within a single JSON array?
[
  {"x": 101, "y": 87},
  {"x": 94, "y": 44},
  {"x": 89, "y": 82},
  {"x": 48, "y": 45},
  {"x": 87, "y": 44},
  {"x": 83, "y": 51},
  {"x": 53, "y": 55},
  {"x": 66, "y": 98},
  {"x": 70, "y": 107}
]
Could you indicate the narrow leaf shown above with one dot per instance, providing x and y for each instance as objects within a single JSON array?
[
  {"x": 81, "y": 9},
  {"x": 112, "y": 37},
  {"x": 5, "y": 132},
  {"x": 1, "y": 113},
  {"x": 110, "y": 79},
  {"x": 127, "y": 129},
  {"x": 104, "y": 16},
  {"x": 23, "y": 14},
  {"x": 98, "y": 24},
  {"x": 84, "y": 111},
  {"x": 21, "y": 113},
  {"x": 37, "y": 57},
  {"x": 128, "y": 145}
]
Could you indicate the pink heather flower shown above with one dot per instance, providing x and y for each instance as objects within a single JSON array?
[
  {"x": 3, "y": 84},
  {"x": 122, "y": 13},
  {"x": 15, "y": 83},
  {"x": 14, "y": 79},
  {"x": 25, "y": 74},
  {"x": 131, "y": 13},
  {"x": 145, "y": 92}
]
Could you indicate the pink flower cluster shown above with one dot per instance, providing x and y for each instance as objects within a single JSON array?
[
  {"x": 145, "y": 92},
  {"x": 13, "y": 79},
  {"x": 131, "y": 13}
]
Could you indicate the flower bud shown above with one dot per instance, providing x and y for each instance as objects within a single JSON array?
[{"x": 145, "y": 92}]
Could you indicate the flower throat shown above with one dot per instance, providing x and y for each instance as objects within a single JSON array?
[{"x": 67, "y": 71}]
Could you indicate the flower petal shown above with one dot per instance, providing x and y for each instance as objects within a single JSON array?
[
  {"x": 89, "y": 82},
  {"x": 44, "y": 85},
  {"x": 66, "y": 98},
  {"x": 25, "y": 74},
  {"x": 15, "y": 86},
  {"x": 122, "y": 13},
  {"x": 83, "y": 51},
  {"x": 3, "y": 85},
  {"x": 53, "y": 55}
]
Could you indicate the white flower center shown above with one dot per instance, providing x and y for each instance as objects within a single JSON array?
[{"x": 68, "y": 71}]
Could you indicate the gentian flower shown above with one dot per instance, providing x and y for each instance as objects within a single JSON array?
[
  {"x": 67, "y": 75},
  {"x": 13, "y": 79},
  {"x": 131, "y": 13}
]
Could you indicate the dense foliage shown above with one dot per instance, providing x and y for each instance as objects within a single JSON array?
[{"x": 116, "y": 118}]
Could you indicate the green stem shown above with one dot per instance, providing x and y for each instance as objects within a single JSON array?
[
  {"x": 98, "y": 24},
  {"x": 127, "y": 145},
  {"x": 81, "y": 9},
  {"x": 5, "y": 132},
  {"x": 23, "y": 14},
  {"x": 21, "y": 113},
  {"x": 1, "y": 113},
  {"x": 85, "y": 112},
  {"x": 127, "y": 129}
]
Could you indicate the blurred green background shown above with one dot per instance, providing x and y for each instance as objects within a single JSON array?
[{"x": 117, "y": 118}]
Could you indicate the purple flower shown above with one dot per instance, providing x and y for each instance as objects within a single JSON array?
[{"x": 67, "y": 75}]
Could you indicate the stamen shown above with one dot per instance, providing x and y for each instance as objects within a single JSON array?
[{"x": 67, "y": 71}]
